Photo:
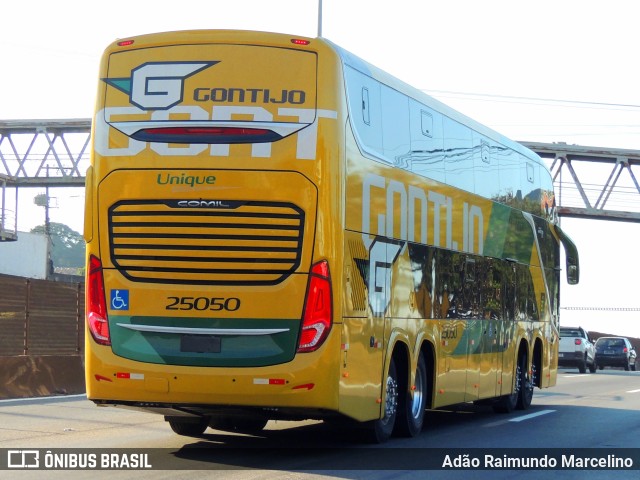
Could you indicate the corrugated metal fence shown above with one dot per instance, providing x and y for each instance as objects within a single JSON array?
[{"x": 41, "y": 317}]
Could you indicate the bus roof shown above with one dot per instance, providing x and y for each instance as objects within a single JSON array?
[
  {"x": 380, "y": 75},
  {"x": 295, "y": 41}
]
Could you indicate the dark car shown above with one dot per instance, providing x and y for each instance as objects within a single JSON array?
[{"x": 615, "y": 352}]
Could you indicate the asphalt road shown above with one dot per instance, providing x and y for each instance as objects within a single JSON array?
[{"x": 584, "y": 411}]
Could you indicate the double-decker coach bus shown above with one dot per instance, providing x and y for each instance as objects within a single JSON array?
[{"x": 277, "y": 229}]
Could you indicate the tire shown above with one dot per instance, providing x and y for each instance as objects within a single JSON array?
[
  {"x": 600, "y": 367},
  {"x": 633, "y": 367},
  {"x": 593, "y": 368},
  {"x": 189, "y": 427},
  {"x": 508, "y": 403},
  {"x": 582, "y": 368},
  {"x": 379, "y": 431},
  {"x": 241, "y": 424},
  {"x": 411, "y": 405},
  {"x": 527, "y": 383},
  {"x": 626, "y": 366}
]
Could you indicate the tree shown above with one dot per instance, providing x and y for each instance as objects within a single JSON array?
[{"x": 67, "y": 245}]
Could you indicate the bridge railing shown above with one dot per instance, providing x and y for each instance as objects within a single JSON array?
[{"x": 590, "y": 182}]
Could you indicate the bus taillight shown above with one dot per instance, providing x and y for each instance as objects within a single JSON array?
[
  {"x": 316, "y": 321},
  {"x": 206, "y": 135},
  {"x": 96, "y": 303}
]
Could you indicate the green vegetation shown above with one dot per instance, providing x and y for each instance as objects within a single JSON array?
[{"x": 67, "y": 245}]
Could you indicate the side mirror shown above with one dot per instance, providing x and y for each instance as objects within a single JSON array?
[
  {"x": 571, "y": 251},
  {"x": 573, "y": 273}
]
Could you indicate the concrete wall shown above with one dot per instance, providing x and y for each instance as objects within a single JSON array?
[{"x": 27, "y": 257}]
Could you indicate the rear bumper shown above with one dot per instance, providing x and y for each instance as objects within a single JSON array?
[
  {"x": 570, "y": 359},
  {"x": 307, "y": 382},
  {"x": 612, "y": 360}
]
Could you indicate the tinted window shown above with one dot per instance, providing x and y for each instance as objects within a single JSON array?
[
  {"x": 458, "y": 148},
  {"x": 427, "y": 157}
]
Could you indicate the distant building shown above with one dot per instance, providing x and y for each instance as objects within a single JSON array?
[{"x": 26, "y": 257}]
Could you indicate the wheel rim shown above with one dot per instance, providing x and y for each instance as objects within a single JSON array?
[
  {"x": 391, "y": 403},
  {"x": 530, "y": 382},
  {"x": 418, "y": 398},
  {"x": 518, "y": 384}
]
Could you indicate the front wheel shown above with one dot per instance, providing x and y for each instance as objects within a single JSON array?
[{"x": 412, "y": 404}]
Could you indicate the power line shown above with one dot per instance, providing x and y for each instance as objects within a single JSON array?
[
  {"x": 517, "y": 99},
  {"x": 607, "y": 309}
]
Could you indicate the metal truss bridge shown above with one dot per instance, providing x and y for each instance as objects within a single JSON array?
[{"x": 590, "y": 182}]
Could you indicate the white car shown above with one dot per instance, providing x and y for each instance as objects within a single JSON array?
[{"x": 576, "y": 349}]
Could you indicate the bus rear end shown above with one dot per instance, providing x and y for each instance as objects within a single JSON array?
[{"x": 205, "y": 294}]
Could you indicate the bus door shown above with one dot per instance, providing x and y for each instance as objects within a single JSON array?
[
  {"x": 474, "y": 327},
  {"x": 489, "y": 281},
  {"x": 452, "y": 348},
  {"x": 508, "y": 324}
]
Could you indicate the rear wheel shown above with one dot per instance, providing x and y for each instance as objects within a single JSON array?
[
  {"x": 508, "y": 403},
  {"x": 239, "y": 423},
  {"x": 379, "y": 431},
  {"x": 188, "y": 426},
  {"x": 582, "y": 367},
  {"x": 527, "y": 383},
  {"x": 593, "y": 367},
  {"x": 518, "y": 398},
  {"x": 411, "y": 404}
]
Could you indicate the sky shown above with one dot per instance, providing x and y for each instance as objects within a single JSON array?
[{"x": 543, "y": 71}]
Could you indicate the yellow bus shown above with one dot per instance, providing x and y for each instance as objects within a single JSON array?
[{"x": 277, "y": 229}]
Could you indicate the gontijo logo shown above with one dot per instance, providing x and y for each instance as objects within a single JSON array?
[
  {"x": 157, "y": 85},
  {"x": 158, "y": 88}
]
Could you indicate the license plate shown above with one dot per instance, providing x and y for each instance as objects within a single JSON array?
[
  {"x": 560, "y": 355},
  {"x": 200, "y": 344},
  {"x": 609, "y": 352}
]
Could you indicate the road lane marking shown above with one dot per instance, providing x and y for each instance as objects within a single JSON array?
[
  {"x": 36, "y": 399},
  {"x": 531, "y": 415},
  {"x": 634, "y": 391}
]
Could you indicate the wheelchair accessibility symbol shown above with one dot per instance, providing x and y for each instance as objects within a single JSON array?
[{"x": 120, "y": 299}]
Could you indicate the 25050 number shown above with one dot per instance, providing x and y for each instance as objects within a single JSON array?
[{"x": 216, "y": 304}]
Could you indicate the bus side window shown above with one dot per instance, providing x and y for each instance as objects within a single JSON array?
[
  {"x": 458, "y": 147},
  {"x": 363, "y": 95},
  {"x": 396, "y": 137},
  {"x": 426, "y": 123},
  {"x": 485, "y": 166},
  {"x": 366, "y": 116},
  {"x": 427, "y": 151}
]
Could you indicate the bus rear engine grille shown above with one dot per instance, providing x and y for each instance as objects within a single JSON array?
[{"x": 206, "y": 242}]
